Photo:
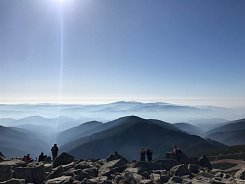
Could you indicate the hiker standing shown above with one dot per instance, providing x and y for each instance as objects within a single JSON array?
[
  {"x": 54, "y": 151},
  {"x": 149, "y": 154},
  {"x": 142, "y": 155},
  {"x": 177, "y": 152}
]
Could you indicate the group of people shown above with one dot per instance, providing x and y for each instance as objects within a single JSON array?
[
  {"x": 148, "y": 152},
  {"x": 143, "y": 154},
  {"x": 42, "y": 157},
  {"x": 177, "y": 153}
]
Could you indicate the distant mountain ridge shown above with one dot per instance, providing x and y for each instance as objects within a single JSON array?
[
  {"x": 190, "y": 129},
  {"x": 128, "y": 134},
  {"x": 173, "y": 113},
  {"x": 232, "y": 133},
  {"x": 16, "y": 142}
]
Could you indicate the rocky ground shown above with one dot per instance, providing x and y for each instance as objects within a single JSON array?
[{"x": 116, "y": 169}]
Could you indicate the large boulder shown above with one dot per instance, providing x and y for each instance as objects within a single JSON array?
[
  {"x": 57, "y": 172},
  {"x": 180, "y": 170},
  {"x": 240, "y": 174},
  {"x": 1, "y": 155},
  {"x": 113, "y": 167},
  {"x": 129, "y": 178},
  {"x": 14, "y": 181},
  {"x": 175, "y": 179},
  {"x": 114, "y": 156},
  {"x": 193, "y": 168},
  {"x": 204, "y": 162},
  {"x": 14, "y": 163},
  {"x": 2, "y": 159},
  {"x": 147, "y": 166},
  {"x": 63, "y": 159},
  {"x": 166, "y": 164},
  {"x": 60, "y": 180},
  {"x": 5, "y": 172},
  {"x": 31, "y": 174}
]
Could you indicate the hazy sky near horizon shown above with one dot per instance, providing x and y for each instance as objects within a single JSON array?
[{"x": 190, "y": 51}]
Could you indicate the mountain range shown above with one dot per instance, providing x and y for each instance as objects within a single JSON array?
[
  {"x": 172, "y": 113},
  {"x": 232, "y": 133},
  {"x": 128, "y": 134}
]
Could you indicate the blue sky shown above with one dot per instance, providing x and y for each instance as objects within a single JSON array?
[{"x": 177, "y": 51}]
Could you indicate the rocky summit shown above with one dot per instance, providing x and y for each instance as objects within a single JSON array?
[{"x": 114, "y": 170}]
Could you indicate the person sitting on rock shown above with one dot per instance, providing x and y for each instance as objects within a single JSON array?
[
  {"x": 177, "y": 152},
  {"x": 149, "y": 154},
  {"x": 142, "y": 155},
  {"x": 54, "y": 151},
  {"x": 27, "y": 158},
  {"x": 41, "y": 157}
]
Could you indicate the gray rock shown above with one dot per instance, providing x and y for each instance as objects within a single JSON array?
[
  {"x": 204, "y": 162},
  {"x": 57, "y": 172},
  {"x": 129, "y": 178},
  {"x": 80, "y": 175},
  {"x": 84, "y": 165},
  {"x": 240, "y": 174},
  {"x": 165, "y": 178},
  {"x": 14, "y": 181},
  {"x": 193, "y": 168},
  {"x": 33, "y": 174},
  {"x": 114, "y": 156},
  {"x": 1, "y": 155},
  {"x": 5, "y": 172},
  {"x": 63, "y": 159},
  {"x": 112, "y": 167},
  {"x": 2, "y": 159},
  {"x": 14, "y": 163},
  {"x": 146, "y": 182},
  {"x": 146, "y": 175},
  {"x": 180, "y": 170},
  {"x": 48, "y": 167},
  {"x": 93, "y": 172},
  {"x": 147, "y": 166},
  {"x": 60, "y": 180},
  {"x": 175, "y": 179},
  {"x": 166, "y": 164}
]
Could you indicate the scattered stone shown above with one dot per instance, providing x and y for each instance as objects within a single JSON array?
[
  {"x": 63, "y": 159},
  {"x": 166, "y": 164},
  {"x": 146, "y": 182},
  {"x": 57, "y": 172},
  {"x": 113, "y": 167},
  {"x": 129, "y": 178},
  {"x": 175, "y": 179},
  {"x": 60, "y": 180},
  {"x": 240, "y": 174},
  {"x": 193, "y": 168},
  {"x": 180, "y": 170},
  {"x": 14, "y": 181}
]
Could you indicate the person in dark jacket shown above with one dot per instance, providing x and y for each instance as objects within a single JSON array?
[
  {"x": 149, "y": 154},
  {"x": 41, "y": 157},
  {"x": 177, "y": 152},
  {"x": 142, "y": 155},
  {"x": 54, "y": 151}
]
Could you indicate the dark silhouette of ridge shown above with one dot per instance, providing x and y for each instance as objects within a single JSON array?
[
  {"x": 233, "y": 133},
  {"x": 128, "y": 134}
]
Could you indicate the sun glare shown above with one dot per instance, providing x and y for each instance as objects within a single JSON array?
[{"x": 60, "y": 1}]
